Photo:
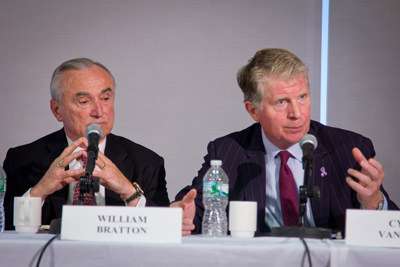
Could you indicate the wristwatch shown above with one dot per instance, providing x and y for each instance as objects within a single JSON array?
[{"x": 138, "y": 192}]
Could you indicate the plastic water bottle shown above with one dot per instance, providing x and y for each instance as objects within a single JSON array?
[
  {"x": 2, "y": 193},
  {"x": 215, "y": 200}
]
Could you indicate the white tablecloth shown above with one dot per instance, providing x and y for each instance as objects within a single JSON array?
[{"x": 23, "y": 249}]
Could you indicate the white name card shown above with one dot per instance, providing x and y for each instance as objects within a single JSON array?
[
  {"x": 375, "y": 228},
  {"x": 121, "y": 224}
]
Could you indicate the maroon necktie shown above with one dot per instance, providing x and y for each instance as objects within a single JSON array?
[{"x": 288, "y": 192}]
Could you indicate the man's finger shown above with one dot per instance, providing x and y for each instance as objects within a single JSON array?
[
  {"x": 69, "y": 149},
  {"x": 376, "y": 164},
  {"x": 69, "y": 180},
  {"x": 74, "y": 173},
  {"x": 370, "y": 169},
  {"x": 103, "y": 158},
  {"x": 100, "y": 163},
  {"x": 187, "y": 227},
  {"x": 362, "y": 178},
  {"x": 177, "y": 204},
  {"x": 187, "y": 221},
  {"x": 185, "y": 233},
  {"x": 190, "y": 196},
  {"x": 358, "y": 155},
  {"x": 358, "y": 187},
  {"x": 187, "y": 224},
  {"x": 67, "y": 160}
]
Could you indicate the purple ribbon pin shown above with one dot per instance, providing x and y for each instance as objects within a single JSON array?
[{"x": 323, "y": 172}]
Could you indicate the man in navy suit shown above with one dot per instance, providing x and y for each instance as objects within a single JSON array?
[
  {"x": 277, "y": 96},
  {"x": 82, "y": 93}
]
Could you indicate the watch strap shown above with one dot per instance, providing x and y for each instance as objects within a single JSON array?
[{"x": 138, "y": 192}]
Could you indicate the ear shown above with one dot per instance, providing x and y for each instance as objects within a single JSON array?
[
  {"x": 252, "y": 110},
  {"x": 55, "y": 108}
]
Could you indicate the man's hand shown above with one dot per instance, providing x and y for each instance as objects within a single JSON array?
[
  {"x": 112, "y": 178},
  {"x": 369, "y": 181},
  {"x": 56, "y": 177},
  {"x": 188, "y": 211}
]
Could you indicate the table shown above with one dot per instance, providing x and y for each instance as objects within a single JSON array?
[{"x": 23, "y": 249}]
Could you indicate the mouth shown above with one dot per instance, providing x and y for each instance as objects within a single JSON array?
[
  {"x": 97, "y": 122},
  {"x": 294, "y": 129}
]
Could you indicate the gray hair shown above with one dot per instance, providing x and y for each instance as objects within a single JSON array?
[
  {"x": 268, "y": 63},
  {"x": 72, "y": 64}
]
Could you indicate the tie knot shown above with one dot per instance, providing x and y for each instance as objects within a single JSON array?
[{"x": 284, "y": 156}]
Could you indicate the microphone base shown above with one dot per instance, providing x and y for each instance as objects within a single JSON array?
[{"x": 301, "y": 231}]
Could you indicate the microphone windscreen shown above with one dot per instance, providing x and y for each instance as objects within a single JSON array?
[
  {"x": 94, "y": 128},
  {"x": 309, "y": 139}
]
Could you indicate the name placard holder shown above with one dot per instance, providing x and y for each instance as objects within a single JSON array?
[
  {"x": 121, "y": 224},
  {"x": 374, "y": 228}
]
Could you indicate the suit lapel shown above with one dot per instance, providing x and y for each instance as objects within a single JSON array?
[
  {"x": 256, "y": 191},
  {"x": 56, "y": 144},
  {"x": 321, "y": 172}
]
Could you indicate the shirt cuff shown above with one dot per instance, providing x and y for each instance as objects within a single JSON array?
[
  {"x": 28, "y": 194},
  {"x": 385, "y": 203},
  {"x": 382, "y": 206},
  {"x": 141, "y": 203}
]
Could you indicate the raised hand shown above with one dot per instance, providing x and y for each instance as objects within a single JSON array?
[
  {"x": 369, "y": 180},
  {"x": 112, "y": 178},
  {"x": 188, "y": 211},
  {"x": 56, "y": 177}
]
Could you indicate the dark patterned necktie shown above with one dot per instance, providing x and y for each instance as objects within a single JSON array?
[
  {"x": 288, "y": 192},
  {"x": 88, "y": 199}
]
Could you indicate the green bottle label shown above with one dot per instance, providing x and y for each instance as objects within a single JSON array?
[
  {"x": 2, "y": 184},
  {"x": 215, "y": 189}
]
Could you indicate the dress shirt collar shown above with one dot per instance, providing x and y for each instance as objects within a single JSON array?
[
  {"x": 102, "y": 144},
  {"x": 272, "y": 150}
]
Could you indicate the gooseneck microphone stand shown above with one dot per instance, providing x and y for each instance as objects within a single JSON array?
[{"x": 306, "y": 191}]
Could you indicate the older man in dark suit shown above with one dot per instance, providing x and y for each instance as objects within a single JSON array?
[
  {"x": 82, "y": 93},
  {"x": 277, "y": 96}
]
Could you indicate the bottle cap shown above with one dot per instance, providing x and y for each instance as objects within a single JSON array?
[{"x": 216, "y": 162}]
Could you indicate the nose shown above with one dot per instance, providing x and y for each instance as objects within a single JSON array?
[
  {"x": 294, "y": 110},
  {"x": 97, "y": 109}
]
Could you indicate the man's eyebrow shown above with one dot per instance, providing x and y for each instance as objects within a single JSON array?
[
  {"x": 106, "y": 90},
  {"x": 282, "y": 98},
  {"x": 79, "y": 94}
]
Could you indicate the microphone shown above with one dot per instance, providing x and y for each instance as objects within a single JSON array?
[
  {"x": 93, "y": 133},
  {"x": 306, "y": 191},
  {"x": 87, "y": 183},
  {"x": 308, "y": 144}
]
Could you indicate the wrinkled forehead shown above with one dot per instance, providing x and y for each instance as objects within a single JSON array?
[
  {"x": 269, "y": 82},
  {"x": 87, "y": 79}
]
